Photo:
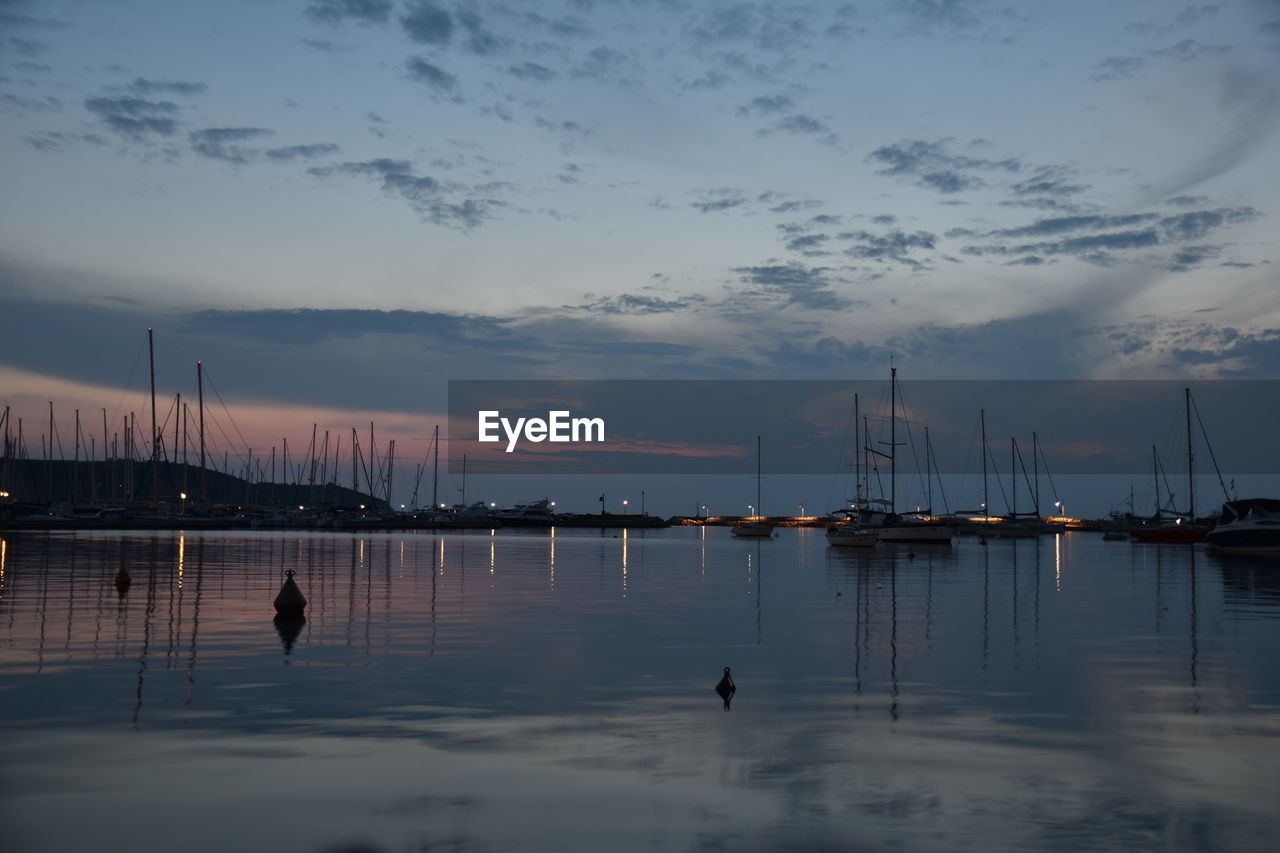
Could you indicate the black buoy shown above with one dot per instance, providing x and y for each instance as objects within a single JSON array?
[
  {"x": 290, "y": 601},
  {"x": 726, "y": 688},
  {"x": 123, "y": 580}
]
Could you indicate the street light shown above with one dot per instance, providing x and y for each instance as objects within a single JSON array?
[
  {"x": 751, "y": 511},
  {"x": 624, "y": 506}
]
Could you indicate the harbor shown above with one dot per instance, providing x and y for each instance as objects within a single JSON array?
[{"x": 550, "y": 689}]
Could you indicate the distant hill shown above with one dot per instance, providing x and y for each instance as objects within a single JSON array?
[{"x": 115, "y": 483}]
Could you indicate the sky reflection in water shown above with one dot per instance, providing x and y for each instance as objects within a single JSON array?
[{"x": 537, "y": 692}]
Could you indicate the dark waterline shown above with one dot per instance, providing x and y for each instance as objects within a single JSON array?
[{"x": 530, "y": 691}]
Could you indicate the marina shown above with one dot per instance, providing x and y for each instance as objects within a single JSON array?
[{"x": 551, "y": 689}]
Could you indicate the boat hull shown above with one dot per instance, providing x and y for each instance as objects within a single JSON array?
[
  {"x": 855, "y": 538},
  {"x": 939, "y": 534},
  {"x": 1182, "y": 534},
  {"x": 754, "y": 530}
]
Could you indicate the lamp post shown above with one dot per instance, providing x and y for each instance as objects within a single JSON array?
[{"x": 624, "y": 506}]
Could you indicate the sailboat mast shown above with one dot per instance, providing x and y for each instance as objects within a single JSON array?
[
  {"x": 435, "y": 472},
  {"x": 1191, "y": 483},
  {"x": 759, "y": 509},
  {"x": 204, "y": 494},
  {"x": 986, "y": 507},
  {"x": 1035, "y": 467},
  {"x": 857, "y": 462},
  {"x": 1013, "y": 476},
  {"x": 1155, "y": 475},
  {"x": 928, "y": 471},
  {"x": 155, "y": 436},
  {"x": 893, "y": 440}
]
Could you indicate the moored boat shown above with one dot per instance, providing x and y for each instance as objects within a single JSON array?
[{"x": 1251, "y": 525}]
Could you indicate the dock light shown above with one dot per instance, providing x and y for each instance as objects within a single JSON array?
[
  {"x": 751, "y": 511},
  {"x": 402, "y": 506},
  {"x": 624, "y": 506},
  {"x": 492, "y": 504},
  {"x": 4, "y": 494},
  {"x": 361, "y": 506},
  {"x": 300, "y": 506},
  {"x": 553, "y": 503}
]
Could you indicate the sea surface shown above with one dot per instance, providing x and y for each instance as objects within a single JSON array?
[{"x": 553, "y": 691}]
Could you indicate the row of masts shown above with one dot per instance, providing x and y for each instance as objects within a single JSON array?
[
  {"x": 864, "y": 451},
  {"x": 319, "y": 468}
]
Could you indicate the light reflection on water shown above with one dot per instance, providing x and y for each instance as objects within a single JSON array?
[{"x": 553, "y": 691}]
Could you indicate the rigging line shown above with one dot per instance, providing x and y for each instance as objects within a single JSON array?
[
  {"x": 1052, "y": 486},
  {"x": 137, "y": 359},
  {"x": 946, "y": 507},
  {"x": 1212, "y": 458},
  {"x": 837, "y": 469},
  {"x": 911, "y": 442},
  {"x": 995, "y": 473},
  {"x": 1022, "y": 463},
  {"x": 209, "y": 379}
]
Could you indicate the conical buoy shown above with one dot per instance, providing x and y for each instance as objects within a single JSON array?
[
  {"x": 290, "y": 601},
  {"x": 726, "y": 688}
]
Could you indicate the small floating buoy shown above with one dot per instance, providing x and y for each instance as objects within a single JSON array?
[
  {"x": 726, "y": 688},
  {"x": 290, "y": 600},
  {"x": 839, "y": 593},
  {"x": 911, "y": 555},
  {"x": 123, "y": 580},
  {"x": 982, "y": 541}
]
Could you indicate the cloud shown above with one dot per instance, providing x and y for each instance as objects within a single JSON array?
[
  {"x": 220, "y": 143},
  {"x": 136, "y": 118},
  {"x": 56, "y": 141},
  {"x": 634, "y": 304},
  {"x": 717, "y": 200},
  {"x": 934, "y": 167},
  {"x": 1189, "y": 16},
  {"x": 432, "y": 75},
  {"x": 313, "y": 151},
  {"x": 1048, "y": 181},
  {"x": 531, "y": 71},
  {"x": 27, "y": 47},
  {"x": 1118, "y": 67},
  {"x": 427, "y": 23},
  {"x": 893, "y": 246},
  {"x": 1192, "y": 256},
  {"x": 141, "y": 86},
  {"x": 797, "y": 284},
  {"x": 1106, "y": 234},
  {"x": 23, "y": 106},
  {"x": 361, "y": 11},
  {"x": 952, "y": 16},
  {"x": 1247, "y": 116},
  {"x": 801, "y": 125},
  {"x": 438, "y": 202},
  {"x": 767, "y": 105},
  {"x": 777, "y": 28}
]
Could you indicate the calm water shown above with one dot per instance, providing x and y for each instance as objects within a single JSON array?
[{"x": 531, "y": 692}]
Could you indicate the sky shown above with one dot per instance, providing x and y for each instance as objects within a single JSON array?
[{"x": 340, "y": 205}]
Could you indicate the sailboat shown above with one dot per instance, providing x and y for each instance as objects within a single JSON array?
[
  {"x": 851, "y": 531},
  {"x": 904, "y": 528},
  {"x": 1161, "y": 529},
  {"x": 758, "y": 526}
]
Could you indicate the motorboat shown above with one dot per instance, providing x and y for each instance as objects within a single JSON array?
[{"x": 1247, "y": 525}]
